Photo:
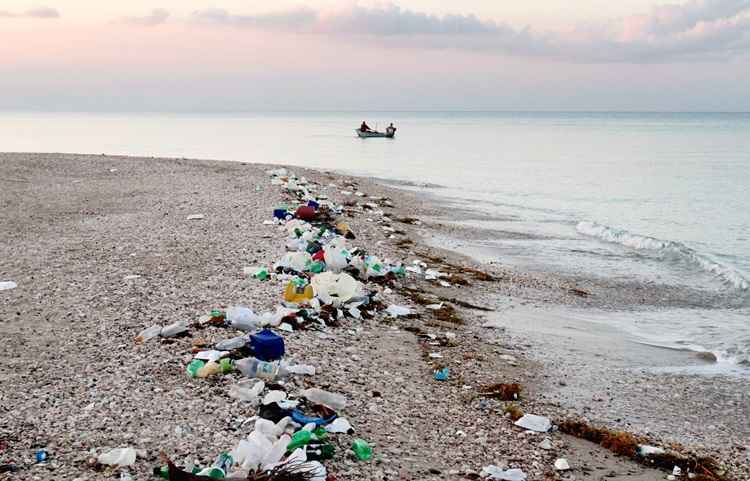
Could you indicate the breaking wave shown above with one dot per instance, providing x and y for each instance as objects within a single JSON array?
[{"x": 728, "y": 274}]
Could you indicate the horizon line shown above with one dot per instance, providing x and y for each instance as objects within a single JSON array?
[{"x": 344, "y": 111}]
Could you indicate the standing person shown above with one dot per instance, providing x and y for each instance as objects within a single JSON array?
[{"x": 391, "y": 130}]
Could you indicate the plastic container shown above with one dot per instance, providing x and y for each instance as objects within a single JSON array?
[
  {"x": 298, "y": 291},
  {"x": 267, "y": 346},
  {"x": 280, "y": 213},
  {"x": 305, "y": 212}
]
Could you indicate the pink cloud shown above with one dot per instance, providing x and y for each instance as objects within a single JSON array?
[
  {"x": 696, "y": 29},
  {"x": 38, "y": 12}
]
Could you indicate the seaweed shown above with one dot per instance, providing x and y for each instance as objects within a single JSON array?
[
  {"x": 579, "y": 292},
  {"x": 466, "y": 304},
  {"x": 626, "y": 444},
  {"x": 447, "y": 313},
  {"x": 514, "y": 411},
  {"x": 404, "y": 243},
  {"x": 458, "y": 280},
  {"x": 407, "y": 220}
]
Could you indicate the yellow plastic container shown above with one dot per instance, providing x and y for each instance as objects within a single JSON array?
[{"x": 297, "y": 294}]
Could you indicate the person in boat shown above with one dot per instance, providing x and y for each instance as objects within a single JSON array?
[
  {"x": 364, "y": 127},
  {"x": 391, "y": 130}
]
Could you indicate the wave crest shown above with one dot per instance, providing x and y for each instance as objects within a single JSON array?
[{"x": 727, "y": 274}]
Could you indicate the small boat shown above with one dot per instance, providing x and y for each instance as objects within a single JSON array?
[{"x": 364, "y": 135}]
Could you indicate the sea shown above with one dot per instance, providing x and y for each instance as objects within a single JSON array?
[{"x": 655, "y": 199}]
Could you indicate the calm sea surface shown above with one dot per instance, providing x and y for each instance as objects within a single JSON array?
[{"x": 656, "y": 198}]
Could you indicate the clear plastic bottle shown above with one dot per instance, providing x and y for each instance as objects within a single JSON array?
[
  {"x": 255, "y": 368},
  {"x": 319, "y": 396}
]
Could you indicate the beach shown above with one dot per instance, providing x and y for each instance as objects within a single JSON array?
[{"x": 101, "y": 247}]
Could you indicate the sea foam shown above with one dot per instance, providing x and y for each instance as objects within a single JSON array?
[{"x": 727, "y": 274}]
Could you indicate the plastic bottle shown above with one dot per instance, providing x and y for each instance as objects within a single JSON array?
[
  {"x": 299, "y": 439},
  {"x": 362, "y": 450},
  {"x": 174, "y": 329},
  {"x": 319, "y": 396},
  {"x": 148, "y": 334},
  {"x": 211, "y": 368},
  {"x": 194, "y": 366},
  {"x": 318, "y": 452},
  {"x": 219, "y": 469},
  {"x": 303, "y": 369},
  {"x": 255, "y": 368},
  {"x": 231, "y": 344}
]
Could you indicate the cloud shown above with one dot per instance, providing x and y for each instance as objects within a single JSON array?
[
  {"x": 291, "y": 19},
  {"x": 38, "y": 12},
  {"x": 697, "y": 30},
  {"x": 157, "y": 16}
]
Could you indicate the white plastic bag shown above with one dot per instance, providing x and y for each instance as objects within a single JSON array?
[
  {"x": 243, "y": 318},
  {"x": 335, "y": 289}
]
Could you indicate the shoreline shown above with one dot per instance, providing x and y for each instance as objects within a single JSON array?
[{"x": 90, "y": 227}]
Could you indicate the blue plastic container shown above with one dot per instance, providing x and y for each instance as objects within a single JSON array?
[
  {"x": 313, "y": 204},
  {"x": 280, "y": 213},
  {"x": 267, "y": 346}
]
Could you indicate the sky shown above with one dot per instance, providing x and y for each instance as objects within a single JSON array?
[{"x": 243, "y": 55}]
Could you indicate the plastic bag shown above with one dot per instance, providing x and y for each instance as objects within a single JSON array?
[{"x": 335, "y": 289}]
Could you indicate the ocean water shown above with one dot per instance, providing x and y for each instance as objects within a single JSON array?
[{"x": 650, "y": 198}]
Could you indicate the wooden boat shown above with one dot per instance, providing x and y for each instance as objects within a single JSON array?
[{"x": 365, "y": 135}]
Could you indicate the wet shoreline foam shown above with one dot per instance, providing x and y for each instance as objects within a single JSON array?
[{"x": 728, "y": 274}]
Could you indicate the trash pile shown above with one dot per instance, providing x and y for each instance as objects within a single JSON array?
[{"x": 325, "y": 281}]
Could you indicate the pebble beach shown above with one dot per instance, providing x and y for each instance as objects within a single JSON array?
[{"x": 100, "y": 248}]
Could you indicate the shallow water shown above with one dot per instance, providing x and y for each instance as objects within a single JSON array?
[{"x": 651, "y": 198}]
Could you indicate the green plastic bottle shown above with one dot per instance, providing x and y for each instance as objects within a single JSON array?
[
  {"x": 226, "y": 365},
  {"x": 299, "y": 439},
  {"x": 317, "y": 267},
  {"x": 261, "y": 275},
  {"x": 322, "y": 451},
  {"x": 362, "y": 450}
]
